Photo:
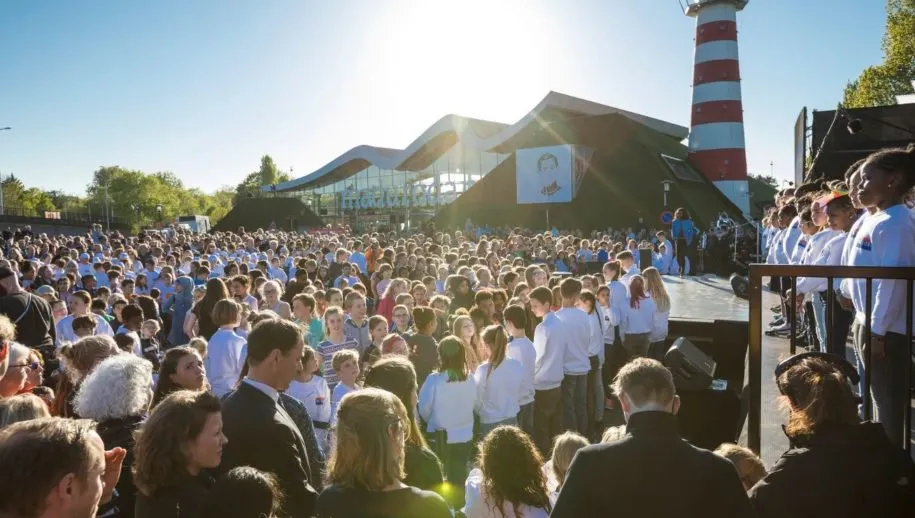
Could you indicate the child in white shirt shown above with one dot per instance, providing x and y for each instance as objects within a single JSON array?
[
  {"x": 313, "y": 392},
  {"x": 346, "y": 365},
  {"x": 638, "y": 319}
]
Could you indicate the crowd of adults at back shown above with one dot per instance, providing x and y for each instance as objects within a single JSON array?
[{"x": 433, "y": 374}]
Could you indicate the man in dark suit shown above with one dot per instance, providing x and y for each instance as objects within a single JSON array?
[
  {"x": 651, "y": 471},
  {"x": 261, "y": 433}
]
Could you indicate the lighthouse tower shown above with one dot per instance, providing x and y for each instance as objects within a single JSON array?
[{"x": 716, "y": 138}]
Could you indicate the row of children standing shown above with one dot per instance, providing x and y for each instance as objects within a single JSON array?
[{"x": 867, "y": 220}]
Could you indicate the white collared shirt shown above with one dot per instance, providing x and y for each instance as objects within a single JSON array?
[{"x": 266, "y": 389}]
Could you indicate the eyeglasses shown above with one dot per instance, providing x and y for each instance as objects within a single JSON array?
[{"x": 34, "y": 365}]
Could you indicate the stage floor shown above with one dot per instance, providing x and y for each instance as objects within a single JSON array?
[
  {"x": 705, "y": 298},
  {"x": 710, "y": 298}
]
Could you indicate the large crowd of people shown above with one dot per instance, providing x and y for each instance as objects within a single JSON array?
[{"x": 430, "y": 374}]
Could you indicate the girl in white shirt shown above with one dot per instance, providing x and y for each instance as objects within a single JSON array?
[
  {"x": 638, "y": 320},
  {"x": 658, "y": 338},
  {"x": 509, "y": 482},
  {"x": 313, "y": 392},
  {"x": 446, "y": 403},
  {"x": 587, "y": 302},
  {"x": 499, "y": 382},
  {"x": 224, "y": 350},
  {"x": 886, "y": 238}
]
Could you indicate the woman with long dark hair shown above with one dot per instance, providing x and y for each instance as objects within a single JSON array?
[
  {"x": 181, "y": 439},
  {"x": 181, "y": 369},
  {"x": 199, "y": 321},
  {"x": 509, "y": 481}
]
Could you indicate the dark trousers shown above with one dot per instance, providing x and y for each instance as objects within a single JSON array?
[
  {"x": 889, "y": 394},
  {"x": 526, "y": 418},
  {"x": 682, "y": 252},
  {"x": 575, "y": 403},
  {"x": 547, "y": 418},
  {"x": 841, "y": 323},
  {"x": 454, "y": 457}
]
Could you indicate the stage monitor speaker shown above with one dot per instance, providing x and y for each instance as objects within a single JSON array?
[
  {"x": 740, "y": 285},
  {"x": 645, "y": 258},
  {"x": 692, "y": 369}
]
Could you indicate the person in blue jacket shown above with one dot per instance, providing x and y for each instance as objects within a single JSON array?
[{"x": 684, "y": 234}]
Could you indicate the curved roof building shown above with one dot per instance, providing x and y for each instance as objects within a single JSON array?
[{"x": 470, "y": 135}]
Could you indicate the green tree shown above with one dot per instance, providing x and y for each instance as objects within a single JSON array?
[
  {"x": 267, "y": 171},
  {"x": 766, "y": 179},
  {"x": 879, "y": 85}
]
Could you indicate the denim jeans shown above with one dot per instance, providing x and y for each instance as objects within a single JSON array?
[
  {"x": 819, "y": 316},
  {"x": 575, "y": 403},
  {"x": 547, "y": 418}
]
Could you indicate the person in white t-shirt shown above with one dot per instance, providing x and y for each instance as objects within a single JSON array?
[
  {"x": 638, "y": 320},
  {"x": 346, "y": 365},
  {"x": 312, "y": 390},
  {"x": 499, "y": 383},
  {"x": 885, "y": 239},
  {"x": 224, "y": 359},
  {"x": 576, "y": 332},
  {"x": 522, "y": 349}
]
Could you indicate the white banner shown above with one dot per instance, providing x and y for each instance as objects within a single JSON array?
[{"x": 544, "y": 175}]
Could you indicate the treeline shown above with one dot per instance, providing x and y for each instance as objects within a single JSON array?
[{"x": 139, "y": 198}]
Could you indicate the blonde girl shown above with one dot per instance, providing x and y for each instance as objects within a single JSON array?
[{"x": 655, "y": 286}]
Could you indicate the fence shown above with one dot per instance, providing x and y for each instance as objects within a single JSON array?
[
  {"x": 792, "y": 272},
  {"x": 20, "y": 215}
]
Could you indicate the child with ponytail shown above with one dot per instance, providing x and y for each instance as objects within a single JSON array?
[{"x": 499, "y": 383}]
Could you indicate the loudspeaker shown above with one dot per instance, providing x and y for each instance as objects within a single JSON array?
[
  {"x": 740, "y": 285},
  {"x": 692, "y": 369},
  {"x": 645, "y": 258}
]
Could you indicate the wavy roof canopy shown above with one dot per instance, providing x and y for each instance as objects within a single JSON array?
[{"x": 475, "y": 134}]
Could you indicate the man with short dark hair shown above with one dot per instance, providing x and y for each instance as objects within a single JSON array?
[
  {"x": 261, "y": 433},
  {"x": 55, "y": 468},
  {"x": 654, "y": 471}
]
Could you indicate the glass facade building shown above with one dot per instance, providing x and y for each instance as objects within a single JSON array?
[{"x": 375, "y": 197}]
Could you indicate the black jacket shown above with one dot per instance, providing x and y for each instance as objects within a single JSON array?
[
  {"x": 118, "y": 433},
  {"x": 180, "y": 501},
  {"x": 262, "y": 435},
  {"x": 847, "y": 471},
  {"x": 651, "y": 472}
]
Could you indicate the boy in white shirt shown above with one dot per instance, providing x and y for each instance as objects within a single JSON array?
[
  {"x": 549, "y": 346},
  {"x": 627, "y": 265},
  {"x": 576, "y": 332},
  {"x": 346, "y": 365},
  {"x": 522, "y": 349}
]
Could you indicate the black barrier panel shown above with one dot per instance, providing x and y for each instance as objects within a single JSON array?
[{"x": 830, "y": 273}]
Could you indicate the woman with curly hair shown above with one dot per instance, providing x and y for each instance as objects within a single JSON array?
[
  {"x": 182, "y": 369},
  {"x": 509, "y": 482},
  {"x": 181, "y": 438}
]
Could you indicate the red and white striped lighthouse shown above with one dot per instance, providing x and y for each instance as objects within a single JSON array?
[{"x": 716, "y": 138}]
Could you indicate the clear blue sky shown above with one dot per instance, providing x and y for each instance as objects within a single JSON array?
[{"x": 203, "y": 88}]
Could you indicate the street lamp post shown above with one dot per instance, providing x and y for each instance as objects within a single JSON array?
[
  {"x": 666, "y": 190},
  {"x": 159, "y": 212}
]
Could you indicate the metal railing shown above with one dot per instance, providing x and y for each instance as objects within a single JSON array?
[
  {"x": 17, "y": 214},
  {"x": 830, "y": 273}
]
